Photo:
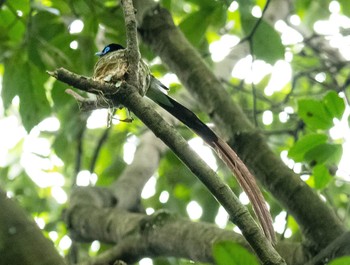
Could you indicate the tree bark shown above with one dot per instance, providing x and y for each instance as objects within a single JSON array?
[{"x": 21, "y": 240}]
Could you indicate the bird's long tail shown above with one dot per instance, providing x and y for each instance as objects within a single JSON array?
[
  {"x": 248, "y": 184},
  {"x": 225, "y": 152}
]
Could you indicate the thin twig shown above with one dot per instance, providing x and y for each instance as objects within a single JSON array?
[
  {"x": 99, "y": 145},
  {"x": 79, "y": 154},
  {"x": 256, "y": 25},
  {"x": 249, "y": 37}
]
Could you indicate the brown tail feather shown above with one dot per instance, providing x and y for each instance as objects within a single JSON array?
[
  {"x": 238, "y": 168},
  {"x": 248, "y": 184}
]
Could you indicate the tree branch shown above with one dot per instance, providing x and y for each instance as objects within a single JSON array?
[
  {"x": 21, "y": 238},
  {"x": 147, "y": 235},
  {"x": 128, "y": 187},
  {"x": 138, "y": 235},
  {"x": 239, "y": 215},
  {"x": 132, "y": 50}
]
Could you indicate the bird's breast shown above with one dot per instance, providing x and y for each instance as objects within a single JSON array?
[{"x": 112, "y": 67}]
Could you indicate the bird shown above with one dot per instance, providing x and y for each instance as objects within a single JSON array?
[{"x": 112, "y": 66}]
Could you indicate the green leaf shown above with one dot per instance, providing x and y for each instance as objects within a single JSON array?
[
  {"x": 227, "y": 252},
  {"x": 72, "y": 123},
  {"x": 12, "y": 30},
  {"x": 49, "y": 49},
  {"x": 22, "y": 5},
  {"x": 334, "y": 104},
  {"x": 267, "y": 44},
  {"x": 23, "y": 79},
  {"x": 321, "y": 176},
  {"x": 34, "y": 106},
  {"x": 245, "y": 7},
  {"x": 181, "y": 191},
  {"x": 324, "y": 153},
  {"x": 301, "y": 6},
  {"x": 43, "y": 21},
  {"x": 9, "y": 89},
  {"x": 314, "y": 114},
  {"x": 311, "y": 11},
  {"x": 304, "y": 144},
  {"x": 195, "y": 25},
  {"x": 203, "y": 3},
  {"x": 166, "y": 4},
  {"x": 345, "y": 4},
  {"x": 340, "y": 261},
  {"x": 218, "y": 16}
]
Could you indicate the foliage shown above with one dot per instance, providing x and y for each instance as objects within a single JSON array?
[
  {"x": 340, "y": 261},
  {"x": 230, "y": 253},
  {"x": 38, "y": 36}
]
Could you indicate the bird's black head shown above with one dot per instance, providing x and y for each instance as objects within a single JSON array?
[{"x": 109, "y": 48}]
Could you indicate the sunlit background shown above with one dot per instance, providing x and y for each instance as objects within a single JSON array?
[{"x": 41, "y": 164}]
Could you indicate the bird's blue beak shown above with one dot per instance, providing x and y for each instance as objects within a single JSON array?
[{"x": 99, "y": 53}]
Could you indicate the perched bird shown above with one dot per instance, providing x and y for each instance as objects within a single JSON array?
[{"x": 113, "y": 67}]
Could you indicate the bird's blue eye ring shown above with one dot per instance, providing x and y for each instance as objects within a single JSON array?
[{"x": 106, "y": 50}]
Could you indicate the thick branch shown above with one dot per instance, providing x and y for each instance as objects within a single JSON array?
[
  {"x": 148, "y": 235},
  {"x": 138, "y": 235},
  {"x": 128, "y": 187}
]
